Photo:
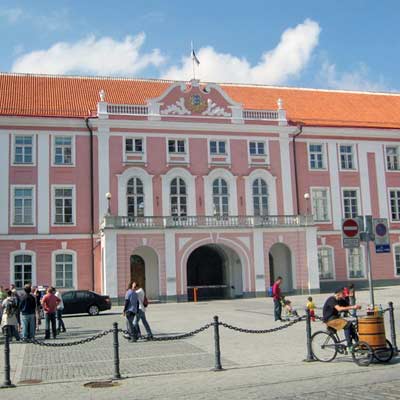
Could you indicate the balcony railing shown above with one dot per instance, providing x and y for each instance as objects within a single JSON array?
[{"x": 117, "y": 222}]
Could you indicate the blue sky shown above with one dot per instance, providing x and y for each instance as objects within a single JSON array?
[{"x": 327, "y": 44}]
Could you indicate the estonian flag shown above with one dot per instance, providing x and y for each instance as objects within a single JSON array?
[{"x": 194, "y": 58}]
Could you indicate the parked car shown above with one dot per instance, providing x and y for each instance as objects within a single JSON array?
[{"x": 85, "y": 301}]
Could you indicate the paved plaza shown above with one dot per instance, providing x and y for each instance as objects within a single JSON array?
[{"x": 256, "y": 366}]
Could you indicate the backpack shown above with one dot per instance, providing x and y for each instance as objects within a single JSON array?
[
  {"x": 270, "y": 292},
  {"x": 145, "y": 301}
]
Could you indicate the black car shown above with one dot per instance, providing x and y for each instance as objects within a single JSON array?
[{"x": 85, "y": 301}]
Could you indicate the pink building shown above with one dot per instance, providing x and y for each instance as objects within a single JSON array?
[{"x": 182, "y": 185}]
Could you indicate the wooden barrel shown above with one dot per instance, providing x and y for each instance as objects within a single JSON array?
[{"x": 371, "y": 329}]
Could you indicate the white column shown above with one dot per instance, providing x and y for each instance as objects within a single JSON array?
[
  {"x": 43, "y": 188},
  {"x": 312, "y": 258},
  {"x": 170, "y": 262},
  {"x": 259, "y": 260},
  {"x": 381, "y": 181},
  {"x": 286, "y": 175},
  {"x": 104, "y": 169},
  {"x": 363, "y": 148},
  {"x": 4, "y": 182},
  {"x": 335, "y": 186},
  {"x": 110, "y": 275}
]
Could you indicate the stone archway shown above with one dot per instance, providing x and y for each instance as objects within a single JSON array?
[{"x": 280, "y": 261}]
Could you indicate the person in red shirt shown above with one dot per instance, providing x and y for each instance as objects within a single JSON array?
[
  {"x": 277, "y": 296},
  {"x": 50, "y": 302}
]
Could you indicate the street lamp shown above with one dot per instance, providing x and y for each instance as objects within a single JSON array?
[
  {"x": 307, "y": 198},
  {"x": 108, "y": 197}
]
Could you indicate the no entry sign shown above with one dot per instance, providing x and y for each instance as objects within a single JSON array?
[{"x": 350, "y": 233}]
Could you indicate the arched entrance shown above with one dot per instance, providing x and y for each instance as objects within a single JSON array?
[
  {"x": 216, "y": 272},
  {"x": 144, "y": 270},
  {"x": 280, "y": 264}
]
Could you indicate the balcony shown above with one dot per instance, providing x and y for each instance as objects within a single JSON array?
[{"x": 206, "y": 222}]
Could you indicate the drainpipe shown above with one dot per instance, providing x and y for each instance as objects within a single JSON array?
[
  {"x": 299, "y": 132},
  {"x": 91, "y": 199}
]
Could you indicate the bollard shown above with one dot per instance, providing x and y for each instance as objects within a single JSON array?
[
  {"x": 392, "y": 328},
  {"x": 7, "y": 368},
  {"x": 310, "y": 356},
  {"x": 117, "y": 374},
  {"x": 195, "y": 295},
  {"x": 218, "y": 366}
]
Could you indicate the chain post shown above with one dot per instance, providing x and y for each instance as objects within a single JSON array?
[
  {"x": 218, "y": 366},
  {"x": 7, "y": 368},
  {"x": 310, "y": 356},
  {"x": 392, "y": 328},
  {"x": 117, "y": 374}
]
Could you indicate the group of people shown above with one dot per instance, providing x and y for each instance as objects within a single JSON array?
[
  {"x": 20, "y": 314},
  {"x": 135, "y": 311}
]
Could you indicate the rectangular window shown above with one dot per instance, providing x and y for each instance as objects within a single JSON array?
[
  {"x": 325, "y": 263},
  {"x": 346, "y": 157},
  {"x": 63, "y": 202},
  {"x": 23, "y": 206},
  {"x": 22, "y": 270},
  {"x": 133, "y": 145},
  {"x": 316, "y": 154},
  {"x": 257, "y": 148},
  {"x": 397, "y": 259},
  {"x": 350, "y": 203},
  {"x": 217, "y": 147},
  {"x": 395, "y": 204},
  {"x": 23, "y": 150},
  {"x": 355, "y": 261},
  {"x": 176, "y": 146},
  {"x": 64, "y": 271},
  {"x": 393, "y": 158},
  {"x": 63, "y": 150},
  {"x": 320, "y": 204}
]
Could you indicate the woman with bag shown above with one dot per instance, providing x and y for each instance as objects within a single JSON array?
[{"x": 141, "y": 314}]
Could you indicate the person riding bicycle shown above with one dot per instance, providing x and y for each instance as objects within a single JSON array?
[{"x": 331, "y": 316}]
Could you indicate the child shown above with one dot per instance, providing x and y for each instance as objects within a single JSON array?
[
  {"x": 311, "y": 307},
  {"x": 289, "y": 310}
]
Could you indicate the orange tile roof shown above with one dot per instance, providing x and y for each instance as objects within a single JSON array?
[{"x": 72, "y": 96}]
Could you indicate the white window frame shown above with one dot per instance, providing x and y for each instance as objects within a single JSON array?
[
  {"x": 74, "y": 267},
  {"x": 332, "y": 249},
  {"x": 359, "y": 210},
  {"x": 362, "y": 249},
  {"x": 324, "y": 156},
  {"x": 328, "y": 199},
  {"x": 13, "y": 145},
  {"x": 257, "y": 143},
  {"x": 394, "y": 246},
  {"x": 398, "y": 155},
  {"x": 53, "y": 205},
  {"x": 184, "y": 155},
  {"x": 354, "y": 157},
  {"x": 125, "y": 153},
  {"x": 217, "y": 142},
  {"x": 12, "y": 193},
  {"x": 176, "y": 140},
  {"x": 12, "y": 266},
  {"x": 390, "y": 189},
  {"x": 53, "y": 151},
  {"x": 135, "y": 196},
  {"x": 227, "y": 153}
]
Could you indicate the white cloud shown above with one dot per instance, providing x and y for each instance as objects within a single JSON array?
[
  {"x": 12, "y": 15},
  {"x": 276, "y": 66},
  {"x": 357, "y": 79},
  {"x": 103, "y": 56}
]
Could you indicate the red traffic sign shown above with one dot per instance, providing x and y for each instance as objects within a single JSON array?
[{"x": 350, "y": 228}]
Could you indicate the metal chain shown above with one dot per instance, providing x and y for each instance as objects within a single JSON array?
[
  {"x": 67, "y": 344},
  {"x": 278, "y": 328}
]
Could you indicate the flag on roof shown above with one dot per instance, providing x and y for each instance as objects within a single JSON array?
[{"x": 194, "y": 57}]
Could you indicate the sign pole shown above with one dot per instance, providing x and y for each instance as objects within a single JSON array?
[{"x": 371, "y": 287}]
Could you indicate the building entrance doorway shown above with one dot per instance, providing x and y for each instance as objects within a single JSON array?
[
  {"x": 280, "y": 264},
  {"x": 138, "y": 270}
]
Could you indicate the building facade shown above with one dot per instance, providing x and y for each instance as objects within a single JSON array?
[{"x": 185, "y": 185}]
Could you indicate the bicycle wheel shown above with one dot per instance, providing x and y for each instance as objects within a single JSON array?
[
  {"x": 362, "y": 354},
  {"x": 323, "y": 346},
  {"x": 384, "y": 354}
]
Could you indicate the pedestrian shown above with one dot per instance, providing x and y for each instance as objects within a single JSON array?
[
  {"x": 311, "y": 307},
  {"x": 16, "y": 295},
  {"x": 352, "y": 299},
  {"x": 130, "y": 310},
  {"x": 60, "y": 309},
  {"x": 28, "y": 308},
  {"x": 3, "y": 296},
  {"x": 38, "y": 314},
  {"x": 277, "y": 296},
  {"x": 49, "y": 303},
  {"x": 141, "y": 314},
  {"x": 9, "y": 321}
]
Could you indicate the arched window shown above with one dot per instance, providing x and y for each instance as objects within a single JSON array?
[
  {"x": 64, "y": 270},
  {"x": 23, "y": 270},
  {"x": 220, "y": 197},
  {"x": 135, "y": 198},
  {"x": 260, "y": 197},
  {"x": 325, "y": 263},
  {"x": 178, "y": 198}
]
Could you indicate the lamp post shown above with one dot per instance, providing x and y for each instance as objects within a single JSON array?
[
  {"x": 108, "y": 197},
  {"x": 307, "y": 198}
]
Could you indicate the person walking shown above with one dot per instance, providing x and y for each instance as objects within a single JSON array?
[
  {"x": 277, "y": 297},
  {"x": 36, "y": 295},
  {"x": 130, "y": 310},
  {"x": 3, "y": 296},
  {"x": 16, "y": 295},
  {"x": 60, "y": 309},
  {"x": 50, "y": 302},
  {"x": 141, "y": 313},
  {"x": 352, "y": 299},
  {"x": 9, "y": 321},
  {"x": 28, "y": 309}
]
